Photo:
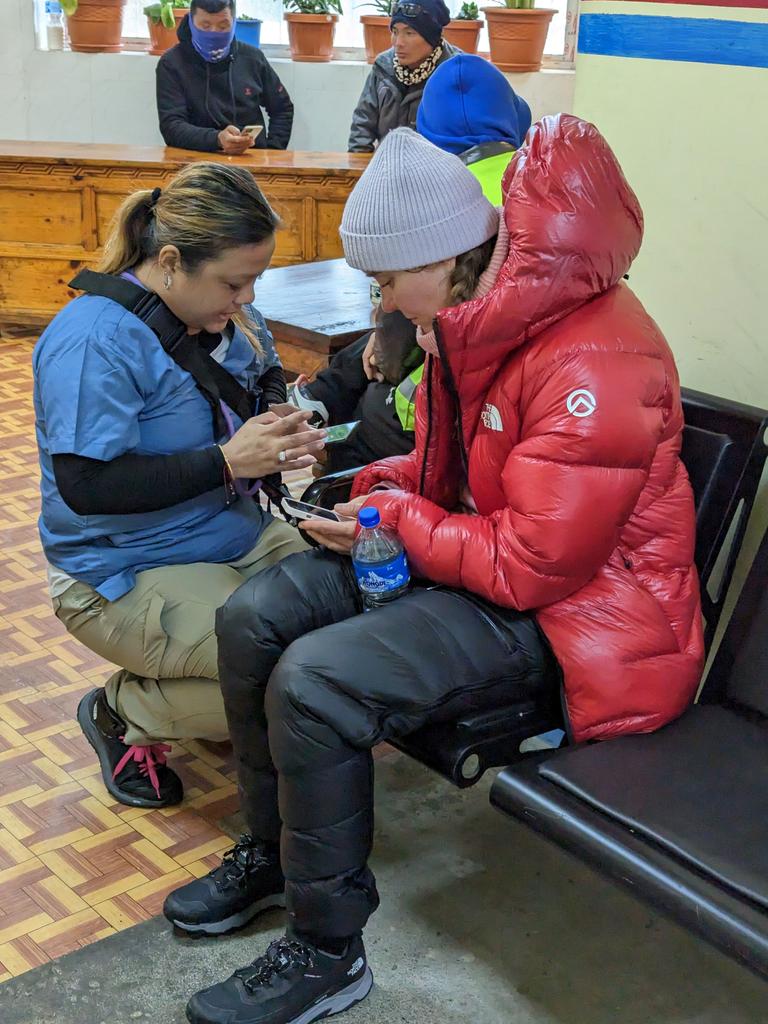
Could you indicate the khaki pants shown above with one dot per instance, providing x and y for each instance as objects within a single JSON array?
[{"x": 162, "y": 634}]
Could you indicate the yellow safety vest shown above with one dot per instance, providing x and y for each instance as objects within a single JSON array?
[{"x": 405, "y": 398}]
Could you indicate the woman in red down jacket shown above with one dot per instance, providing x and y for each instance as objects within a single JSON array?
[{"x": 545, "y": 498}]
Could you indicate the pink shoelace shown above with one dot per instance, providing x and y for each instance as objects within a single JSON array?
[{"x": 148, "y": 758}]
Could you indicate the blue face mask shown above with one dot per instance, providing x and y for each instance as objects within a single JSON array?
[{"x": 212, "y": 46}]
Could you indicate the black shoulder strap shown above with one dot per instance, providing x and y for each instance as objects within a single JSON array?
[
  {"x": 213, "y": 380},
  {"x": 215, "y": 383}
]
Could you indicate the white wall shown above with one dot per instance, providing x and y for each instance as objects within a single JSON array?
[
  {"x": 701, "y": 270},
  {"x": 77, "y": 97}
]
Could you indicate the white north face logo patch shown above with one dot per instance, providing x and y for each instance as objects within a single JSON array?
[
  {"x": 491, "y": 417},
  {"x": 356, "y": 967},
  {"x": 581, "y": 403}
]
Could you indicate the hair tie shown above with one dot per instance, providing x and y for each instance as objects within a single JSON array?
[{"x": 156, "y": 192}]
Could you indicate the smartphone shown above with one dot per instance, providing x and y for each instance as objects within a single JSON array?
[
  {"x": 298, "y": 510},
  {"x": 253, "y": 130},
  {"x": 340, "y": 432},
  {"x": 291, "y": 389}
]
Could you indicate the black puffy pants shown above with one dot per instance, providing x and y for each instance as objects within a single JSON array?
[{"x": 310, "y": 685}]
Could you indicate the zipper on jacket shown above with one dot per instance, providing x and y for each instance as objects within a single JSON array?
[
  {"x": 423, "y": 475},
  {"x": 454, "y": 393}
]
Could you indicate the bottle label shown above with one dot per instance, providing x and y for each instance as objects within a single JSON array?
[{"x": 378, "y": 579}]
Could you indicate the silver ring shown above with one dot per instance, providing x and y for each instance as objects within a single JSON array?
[{"x": 281, "y": 456}]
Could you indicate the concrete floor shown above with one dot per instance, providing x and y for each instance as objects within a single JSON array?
[{"x": 481, "y": 923}]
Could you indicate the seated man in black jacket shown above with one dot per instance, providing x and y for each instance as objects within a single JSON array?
[
  {"x": 210, "y": 86},
  {"x": 374, "y": 381}
]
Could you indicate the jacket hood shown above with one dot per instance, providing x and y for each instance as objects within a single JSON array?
[
  {"x": 467, "y": 102},
  {"x": 184, "y": 35},
  {"x": 575, "y": 226}
]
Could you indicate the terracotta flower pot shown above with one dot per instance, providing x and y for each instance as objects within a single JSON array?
[
  {"x": 311, "y": 36},
  {"x": 96, "y": 26},
  {"x": 377, "y": 35},
  {"x": 162, "y": 38},
  {"x": 464, "y": 34},
  {"x": 517, "y": 36}
]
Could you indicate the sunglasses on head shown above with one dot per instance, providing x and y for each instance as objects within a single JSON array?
[{"x": 409, "y": 10}]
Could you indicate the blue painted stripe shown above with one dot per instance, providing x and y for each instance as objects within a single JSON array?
[{"x": 700, "y": 40}]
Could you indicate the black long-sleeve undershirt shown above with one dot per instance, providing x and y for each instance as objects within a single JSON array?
[
  {"x": 272, "y": 384},
  {"x": 149, "y": 483},
  {"x": 136, "y": 483}
]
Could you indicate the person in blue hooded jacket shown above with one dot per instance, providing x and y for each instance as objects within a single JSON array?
[{"x": 470, "y": 109}]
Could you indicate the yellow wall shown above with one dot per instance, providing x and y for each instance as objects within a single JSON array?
[{"x": 693, "y": 141}]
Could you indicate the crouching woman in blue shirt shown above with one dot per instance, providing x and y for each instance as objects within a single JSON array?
[{"x": 146, "y": 520}]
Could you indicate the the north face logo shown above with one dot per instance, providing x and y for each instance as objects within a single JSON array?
[
  {"x": 356, "y": 967},
  {"x": 491, "y": 417}
]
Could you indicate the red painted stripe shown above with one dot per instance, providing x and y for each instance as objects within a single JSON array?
[{"x": 753, "y": 4}]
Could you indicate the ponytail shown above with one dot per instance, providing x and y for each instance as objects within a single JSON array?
[
  {"x": 129, "y": 237},
  {"x": 204, "y": 211}
]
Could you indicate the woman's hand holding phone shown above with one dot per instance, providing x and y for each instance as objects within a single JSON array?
[
  {"x": 337, "y": 536},
  {"x": 254, "y": 451}
]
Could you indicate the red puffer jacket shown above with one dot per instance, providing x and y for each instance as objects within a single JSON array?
[{"x": 557, "y": 400}]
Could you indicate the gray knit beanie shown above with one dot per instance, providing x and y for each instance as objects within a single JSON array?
[{"x": 414, "y": 204}]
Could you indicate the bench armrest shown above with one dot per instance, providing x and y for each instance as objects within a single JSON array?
[{"x": 326, "y": 491}]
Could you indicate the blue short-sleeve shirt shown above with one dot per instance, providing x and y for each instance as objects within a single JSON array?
[{"x": 104, "y": 387}]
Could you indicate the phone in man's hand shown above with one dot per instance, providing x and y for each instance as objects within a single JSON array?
[{"x": 339, "y": 432}]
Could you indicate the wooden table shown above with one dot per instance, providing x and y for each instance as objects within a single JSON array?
[
  {"x": 57, "y": 199},
  {"x": 313, "y": 310}
]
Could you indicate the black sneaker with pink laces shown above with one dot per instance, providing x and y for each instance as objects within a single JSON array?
[{"x": 135, "y": 775}]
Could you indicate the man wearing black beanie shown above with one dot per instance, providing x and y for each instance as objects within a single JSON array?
[{"x": 393, "y": 90}]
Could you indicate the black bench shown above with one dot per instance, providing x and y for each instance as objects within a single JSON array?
[
  {"x": 679, "y": 816},
  {"x": 724, "y": 450}
]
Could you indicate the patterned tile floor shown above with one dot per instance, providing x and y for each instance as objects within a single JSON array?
[{"x": 75, "y": 866}]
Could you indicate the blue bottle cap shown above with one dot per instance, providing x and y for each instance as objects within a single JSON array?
[{"x": 369, "y": 516}]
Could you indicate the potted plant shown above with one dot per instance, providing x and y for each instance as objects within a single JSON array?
[
  {"x": 248, "y": 29},
  {"x": 517, "y": 32},
  {"x": 376, "y": 31},
  {"x": 464, "y": 30},
  {"x": 94, "y": 26},
  {"x": 311, "y": 26},
  {"x": 163, "y": 19}
]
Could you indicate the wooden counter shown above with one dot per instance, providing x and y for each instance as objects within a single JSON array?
[
  {"x": 57, "y": 199},
  {"x": 313, "y": 310}
]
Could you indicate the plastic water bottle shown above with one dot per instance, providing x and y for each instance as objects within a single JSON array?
[
  {"x": 54, "y": 25},
  {"x": 379, "y": 560}
]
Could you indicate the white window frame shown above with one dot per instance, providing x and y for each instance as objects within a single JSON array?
[{"x": 137, "y": 36}]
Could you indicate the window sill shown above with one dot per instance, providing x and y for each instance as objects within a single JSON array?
[
  {"x": 282, "y": 54},
  {"x": 356, "y": 55}
]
